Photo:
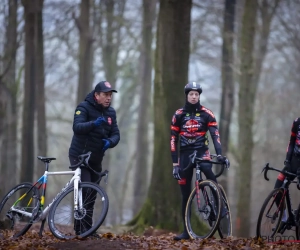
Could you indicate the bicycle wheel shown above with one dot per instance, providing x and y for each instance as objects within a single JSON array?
[
  {"x": 297, "y": 218},
  {"x": 202, "y": 216},
  {"x": 65, "y": 223},
  {"x": 270, "y": 215},
  {"x": 225, "y": 226},
  {"x": 18, "y": 199}
]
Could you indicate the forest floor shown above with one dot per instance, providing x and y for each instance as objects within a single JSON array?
[{"x": 113, "y": 239}]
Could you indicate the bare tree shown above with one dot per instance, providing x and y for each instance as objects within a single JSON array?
[
  {"x": 142, "y": 148},
  {"x": 40, "y": 86},
  {"x": 8, "y": 102},
  {"x": 246, "y": 115},
  {"x": 30, "y": 14},
  {"x": 162, "y": 208},
  {"x": 227, "y": 102},
  {"x": 85, "y": 51}
]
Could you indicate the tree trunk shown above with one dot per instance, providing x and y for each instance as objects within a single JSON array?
[
  {"x": 85, "y": 51},
  {"x": 227, "y": 102},
  {"x": 27, "y": 163},
  {"x": 40, "y": 88},
  {"x": 112, "y": 12},
  {"x": 8, "y": 103},
  {"x": 142, "y": 166},
  {"x": 247, "y": 93},
  {"x": 162, "y": 207}
]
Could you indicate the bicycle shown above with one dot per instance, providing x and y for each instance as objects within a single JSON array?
[
  {"x": 273, "y": 207},
  {"x": 70, "y": 213},
  {"x": 203, "y": 210}
]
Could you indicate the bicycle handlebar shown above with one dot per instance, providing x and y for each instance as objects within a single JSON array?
[
  {"x": 284, "y": 172},
  {"x": 83, "y": 160},
  {"x": 194, "y": 159}
]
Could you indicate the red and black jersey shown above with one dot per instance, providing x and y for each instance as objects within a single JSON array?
[
  {"x": 191, "y": 128},
  {"x": 294, "y": 143}
]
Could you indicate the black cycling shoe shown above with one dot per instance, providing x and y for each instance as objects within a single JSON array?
[
  {"x": 183, "y": 236},
  {"x": 94, "y": 236}
]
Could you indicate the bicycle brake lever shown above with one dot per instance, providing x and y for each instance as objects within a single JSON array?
[
  {"x": 105, "y": 178},
  {"x": 265, "y": 170},
  {"x": 298, "y": 183}
]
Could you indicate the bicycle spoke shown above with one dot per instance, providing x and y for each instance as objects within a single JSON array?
[{"x": 65, "y": 223}]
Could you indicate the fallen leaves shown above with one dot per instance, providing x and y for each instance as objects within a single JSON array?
[{"x": 31, "y": 240}]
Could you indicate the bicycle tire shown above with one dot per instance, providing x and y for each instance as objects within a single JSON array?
[
  {"x": 18, "y": 223},
  {"x": 87, "y": 222},
  {"x": 219, "y": 170},
  {"x": 225, "y": 226},
  {"x": 297, "y": 223},
  {"x": 271, "y": 230},
  {"x": 209, "y": 212}
]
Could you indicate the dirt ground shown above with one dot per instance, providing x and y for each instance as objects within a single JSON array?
[{"x": 152, "y": 239}]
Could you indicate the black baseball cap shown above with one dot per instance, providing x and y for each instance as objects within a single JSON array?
[{"x": 104, "y": 86}]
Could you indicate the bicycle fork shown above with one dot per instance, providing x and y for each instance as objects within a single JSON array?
[{"x": 77, "y": 194}]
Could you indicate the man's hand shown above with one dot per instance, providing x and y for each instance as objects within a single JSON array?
[
  {"x": 99, "y": 121},
  {"x": 106, "y": 144},
  {"x": 176, "y": 171},
  {"x": 223, "y": 160}
]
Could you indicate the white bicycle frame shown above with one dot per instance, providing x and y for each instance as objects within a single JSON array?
[{"x": 77, "y": 193}]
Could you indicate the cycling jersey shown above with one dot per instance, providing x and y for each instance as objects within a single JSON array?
[
  {"x": 192, "y": 124},
  {"x": 294, "y": 143}
]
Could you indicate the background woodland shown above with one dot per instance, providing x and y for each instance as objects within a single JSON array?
[{"x": 245, "y": 54}]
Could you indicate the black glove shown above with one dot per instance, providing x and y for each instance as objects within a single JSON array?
[
  {"x": 176, "y": 171},
  {"x": 223, "y": 160}
]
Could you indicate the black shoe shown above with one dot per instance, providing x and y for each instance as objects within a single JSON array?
[
  {"x": 94, "y": 236},
  {"x": 282, "y": 227},
  {"x": 183, "y": 236}
]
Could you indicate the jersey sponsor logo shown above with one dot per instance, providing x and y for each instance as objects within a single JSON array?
[
  {"x": 173, "y": 143},
  {"x": 208, "y": 111},
  {"x": 198, "y": 114},
  {"x": 191, "y": 141},
  {"x": 187, "y": 114},
  {"x": 109, "y": 120},
  {"x": 107, "y": 84},
  {"x": 192, "y": 126},
  {"x": 78, "y": 112}
]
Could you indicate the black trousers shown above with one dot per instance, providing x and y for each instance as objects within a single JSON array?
[
  {"x": 185, "y": 182},
  {"x": 89, "y": 197}
]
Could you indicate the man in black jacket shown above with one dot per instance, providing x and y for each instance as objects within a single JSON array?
[{"x": 95, "y": 129}]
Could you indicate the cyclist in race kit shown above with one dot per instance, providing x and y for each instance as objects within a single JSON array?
[
  {"x": 190, "y": 125},
  {"x": 292, "y": 159}
]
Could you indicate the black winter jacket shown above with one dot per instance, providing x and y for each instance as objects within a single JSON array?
[{"x": 88, "y": 137}]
